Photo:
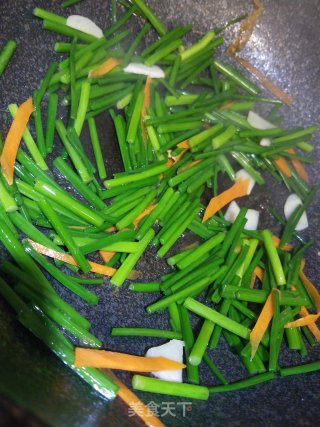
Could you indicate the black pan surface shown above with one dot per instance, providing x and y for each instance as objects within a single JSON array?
[{"x": 285, "y": 46}]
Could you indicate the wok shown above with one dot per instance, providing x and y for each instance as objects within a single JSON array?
[{"x": 36, "y": 388}]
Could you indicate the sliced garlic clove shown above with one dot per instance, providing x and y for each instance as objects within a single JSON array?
[{"x": 171, "y": 350}]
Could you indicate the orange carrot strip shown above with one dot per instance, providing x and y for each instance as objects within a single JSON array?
[
  {"x": 146, "y": 94},
  {"x": 283, "y": 166},
  {"x": 143, "y": 214},
  {"x": 300, "y": 169},
  {"x": 276, "y": 242},
  {"x": 105, "y": 67},
  {"x": 106, "y": 255},
  {"x": 95, "y": 268},
  {"x": 178, "y": 157},
  {"x": 303, "y": 321},
  {"x": 93, "y": 358},
  {"x": 259, "y": 272},
  {"x": 226, "y": 105},
  {"x": 189, "y": 166},
  {"x": 311, "y": 289},
  {"x": 184, "y": 144},
  {"x": 135, "y": 403},
  {"x": 297, "y": 164},
  {"x": 238, "y": 44},
  {"x": 265, "y": 82},
  {"x": 112, "y": 228},
  {"x": 262, "y": 324},
  {"x": 174, "y": 159},
  {"x": 313, "y": 328},
  {"x": 170, "y": 163},
  {"x": 239, "y": 189},
  {"x": 307, "y": 319},
  {"x": 145, "y": 105},
  {"x": 13, "y": 139},
  {"x": 101, "y": 269},
  {"x": 246, "y": 29}
]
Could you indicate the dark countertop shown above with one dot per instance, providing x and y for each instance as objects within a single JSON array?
[{"x": 284, "y": 46}]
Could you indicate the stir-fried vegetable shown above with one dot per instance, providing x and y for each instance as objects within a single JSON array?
[{"x": 182, "y": 118}]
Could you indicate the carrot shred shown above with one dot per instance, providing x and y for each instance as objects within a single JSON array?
[
  {"x": 311, "y": 289},
  {"x": 303, "y": 321},
  {"x": 170, "y": 163},
  {"x": 143, "y": 214},
  {"x": 13, "y": 139},
  {"x": 283, "y": 166},
  {"x": 135, "y": 404},
  {"x": 297, "y": 164},
  {"x": 189, "y": 166},
  {"x": 313, "y": 328},
  {"x": 265, "y": 82},
  {"x": 184, "y": 144},
  {"x": 111, "y": 229},
  {"x": 276, "y": 242},
  {"x": 259, "y": 272},
  {"x": 145, "y": 105},
  {"x": 226, "y": 105},
  {"x": 246, "y": 29},
  {"x": 175, "y": 159},
  {"x": 146, "y": 94},
  {"x": 262, "y": 324},
  {"x": 239, "y": 189},
  {"x": 106, "y": 255},
  {"x": 95, "y": 268},
  {"x": 307, "y": 319},
  {"x": 93, "y": 358},
  {"x": 105, "y": 67}
]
